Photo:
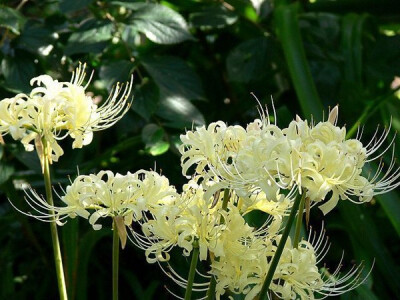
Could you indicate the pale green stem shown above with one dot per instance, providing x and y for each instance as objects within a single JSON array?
[
  {"x": 115, "y": 261},
  {"x": 299, "y": 223},
  {"x": 53, "y": 226},
  {"x": 279, "y": 250},
  {"x": 225, "y": 203},
  {"x": 213, "y": 282},
  {"x": 192, "y": 272}
]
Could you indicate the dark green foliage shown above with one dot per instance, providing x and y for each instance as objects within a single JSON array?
[{"x": 193, "y": 62}]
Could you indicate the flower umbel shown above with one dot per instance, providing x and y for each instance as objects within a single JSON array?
[
  {"x": 106, "y": 194},
  {"x": 54, "y": 110}
]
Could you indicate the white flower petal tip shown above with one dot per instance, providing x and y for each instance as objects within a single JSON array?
[{"x": 333, "y": 115}]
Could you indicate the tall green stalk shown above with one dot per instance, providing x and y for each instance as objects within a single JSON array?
[
  {"x": 192, "y": 272},
  {"x": 279, "y": 250},
  {"x": 53, "y": 226},
  {"x": 299, "y": 222},
  {"x": 115, "y": 261},
  {"x": 287, "y": 27},
  {"x": 213, "y": 282}
]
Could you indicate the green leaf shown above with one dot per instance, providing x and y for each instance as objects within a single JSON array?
[
  {"x": 29, "y": 159},
  {"x": 88, "y": 242},
  {"x": 178, "y": 84},
  {"x": 6, "y": 170},
  {"x": 131, "y": 5},
  {"x": 364, "y": 293},
  {"x": 362, "y": 228},
  {"x": 153, "y": 136},
  {"x": 146, "y": 99},
  {"x": 158, "y": 148},
  {"x": 36, "y": 38},
  {"x": 159, "y": 23},
  {"x": 179, "y": 112},
  {"x": 136, "y": 287},
  {"x": 11, "y": 19},
  {"x": 70, "y": 236},
  {"x": 70, "y": 5},
  {"x": 114, "y": 72},
  {"x": 92, "y": 37},
  {"x": 18, "y": 73},
  {"x": 352, "y": 28},
  {"x": 248, "y": 61},
  {"x": 174, "y": 77},
  {"x": 391, "y": 205},
  {"x": 130, "y": 34},
  {"x": 215, "y": 16},
  {"x": 287, "y": 27}
]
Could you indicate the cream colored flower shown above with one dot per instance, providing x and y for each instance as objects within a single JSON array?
[
  {"x": 54, "y": 110},
  {"x": 107, "y": 194},
  {"x": 298, "y": 274},
  {"x": 322, "y": 161},
  {"x": 245, "y": 260},
  {"x": 242, "y": 159},
  {"x": 210, "y": 148},
  {"x": 187, "y": 220}
]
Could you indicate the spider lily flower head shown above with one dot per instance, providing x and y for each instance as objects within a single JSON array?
[
  {"x": 241, "y": 158},
  {"x": 54, "y": 110},
  {"x": 245, "y": 260},
  {"x": 188, "y": 220},
  {"x": 222, "y": 235},
  {"x": 207, "y": 147},
  {"x": 298, "y": 275},
  {"x": 322, "y": 161},
  {"x": 14, "y": 117},
  {"x": 106, "y": 194},
  {"x": 315, "y": 158}
]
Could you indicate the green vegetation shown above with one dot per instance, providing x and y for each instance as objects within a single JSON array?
[{"x": 194, "y": 62}]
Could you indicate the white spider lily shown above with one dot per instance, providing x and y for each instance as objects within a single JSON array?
[
  {"x": 316, "y": 158},
  {"x": 297, "y": 274},
  {"x": 323, "y": 161},
  {"x": 104, "y": 194},
  {"x": 54, "y": 110}
]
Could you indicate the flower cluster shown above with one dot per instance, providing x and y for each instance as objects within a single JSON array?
[
  {"x": 315, "y": 159},
  {"x": 235, "y": 171},
  {"x": 240, "y": 254},
  {"x": 108, "y": 195},
  {"x": 54, "y": 110}
]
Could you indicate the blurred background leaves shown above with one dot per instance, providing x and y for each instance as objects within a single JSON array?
[{"x": 194, "y": 62}]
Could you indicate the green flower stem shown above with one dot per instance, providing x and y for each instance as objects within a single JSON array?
[
  {"x": 213, "y": 282},
  {"x": 192, "y": 272},
  {"x": 53, "y": 226},
  {"x": 279, "y": 250},
  {"x": 299, "y": 221},
  {"x": 115, "y": 262},
  {"x": 225, "y": 203}
]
